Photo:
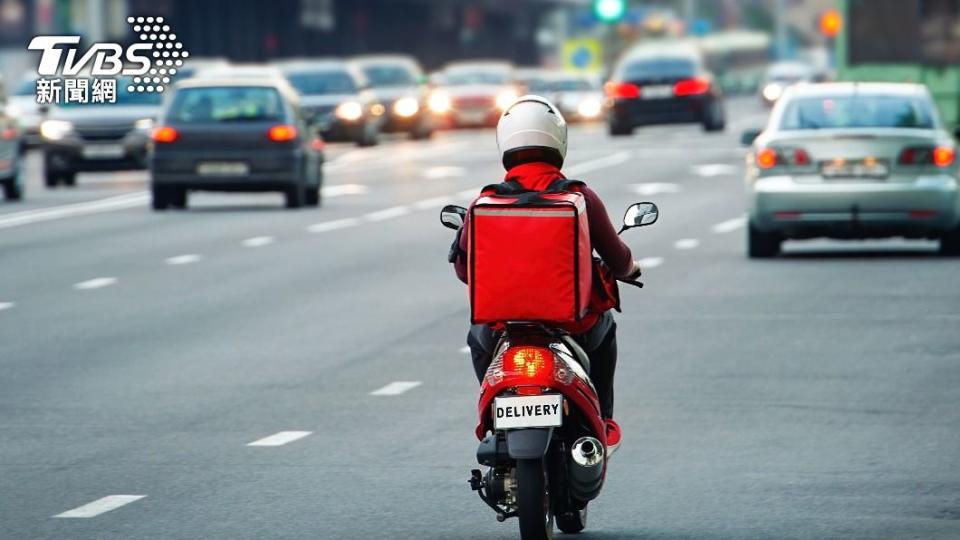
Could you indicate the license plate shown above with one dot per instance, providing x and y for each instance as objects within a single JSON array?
[
  {"x": 103, "y": 151},
  {"x": 223, "y": 168},
  {"x": 527, "y": 411},
  {"x": 656, "y": 92},
  {"x": 472, "y": 117},
  {"x": 854, "y": 169}
]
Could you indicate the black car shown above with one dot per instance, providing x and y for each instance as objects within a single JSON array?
[
  {"x": 97, "y": 136},
  {"x": 662, "y": 86},
  {"x": 337, "y": 96},
  {"x": 399, "y": 85},
  {"x": 243, "y": 134}
]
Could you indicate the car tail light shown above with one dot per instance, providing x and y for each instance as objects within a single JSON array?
[
  {"x": 282, "y": 133},
  {"x": 923, "y": 214},
  {"x": 530, "y": 361},
  {"x": 801, "y": 157},
  {"x": 691, "y": 87},
  {"x": 165, "y": 134},
  {"x": 766, "y": 158},
  {"x": 622, "y": 90},
  {"x": 943, "y": 156},
  {"x": 317, "y": 144},
  {"x": 8, "y": 134}
]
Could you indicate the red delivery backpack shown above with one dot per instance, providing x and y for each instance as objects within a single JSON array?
[{"x": 529, "y": 256}]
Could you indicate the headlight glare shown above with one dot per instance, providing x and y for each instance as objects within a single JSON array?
[
  {"x": 589, "y": 108},
  {"x": 144, "y": 124},
  {"x": 350, "y": 111},
  {"x": 55, "y": 130},
  {"x": 406, "y": 107},
  {"x": 439, "y": 102},
  {"x": 505, "y": 99}
]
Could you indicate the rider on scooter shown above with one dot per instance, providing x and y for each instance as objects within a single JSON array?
[{"x": 532, "y": 139}]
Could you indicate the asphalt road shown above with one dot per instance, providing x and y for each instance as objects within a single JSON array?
[{"x": 813, "y": 396}]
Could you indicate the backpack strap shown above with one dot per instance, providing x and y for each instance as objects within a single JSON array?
[
  {"x": 513, "y": 188},
  {"x": 564, "y": 185}
]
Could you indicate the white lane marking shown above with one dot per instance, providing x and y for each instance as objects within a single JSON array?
[
  {"x": 729, "y": 225},
  {"x": 599, "y": 163},
  {"x": 465, "y": 350},
  {"x": 686, "y": 243},
  {"x": 650, "y": 262},
  {"x": 396, "y": 388},
  {"x": 653, "y": 188},
  {"x": 109, "y": 204},
  {"x": 387, "y": 213},
  {"x": 96, "y": 283},
  {"x": 327, "y": 226},
  {"x": 714, "y": 169},
  {"x": 434, "y": 202},
  {"x": 469, "y": 194},
  {"x": 6, "y": 305},
  {"x": 258, "y": 241},
  {"x": 100, "y": 506},
  {"x": 444, "y": 171},
  {"x": 340, "y": 190},
  {"x": 280, "y": 439},
  {"x": 188, "y": 258}
]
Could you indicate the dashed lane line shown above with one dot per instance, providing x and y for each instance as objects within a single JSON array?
[
  {"x": 465, "y": 350},
  {"x": 281, "y": 438},
  {"x": 95, "y": 283},
  {"x": 434, "y": 202},
  {"x": 327, "y": 226},
  {"x": 396, "y": 388},
  {"x": 387, "y": 213},
  {"x": 179, "y": 260},
  {"x": 729, "y": 225},
  {"x": 444, "y": 171},
  {"x": 600, "y": 163},
  {"x": 686, "y": 243},
  {"x": 6, "y": 305},
  {"x": 258, "y": 241},
  {"x": 655, "y": 188},
  {"x": 339, "y": 190},
  {"x": 109, "y": 204},
  {"x": 650, "y": 262},
  {"x": 100, "y": 506}
]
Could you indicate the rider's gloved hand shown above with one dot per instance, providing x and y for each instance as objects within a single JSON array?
[{"x": 635, "y": 273}]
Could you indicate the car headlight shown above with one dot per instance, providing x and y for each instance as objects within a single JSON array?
[
  {"x": 144, "y": 124},
  {"x": 14, "y": 110},
  {"x": 349, "y": 111},
  {"x": 439, "y": 102},
  {"x": 772, "y": 91},
  {"x": 406, "y": 107},
  {"x": 589, "y": 108},
  {"x": 54, "y": 130},
  {"x": 506, "y": 99}
]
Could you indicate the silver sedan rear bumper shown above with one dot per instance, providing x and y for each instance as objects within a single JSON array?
[{"x": 800, "y": 207}]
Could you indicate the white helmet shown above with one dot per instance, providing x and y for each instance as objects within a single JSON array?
[{"x": 532, "y": 129}]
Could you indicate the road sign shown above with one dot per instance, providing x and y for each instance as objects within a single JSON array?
[{"x": 583, "y": 54}]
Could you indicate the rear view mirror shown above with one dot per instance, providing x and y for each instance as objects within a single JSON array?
[
  {"x": 956, "y": 132},
  {"x": 640, "y": 215},
  {"x": 453, "y": 216},
  {"x": 749, "y": 136}
]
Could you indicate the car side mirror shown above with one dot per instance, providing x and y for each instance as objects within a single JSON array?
[
  {"x": 956, "y": 132},
  {"x": 43, "y": 109},
  {"x": 453, "y": 216},
  {"x": 640, "y": 215},
  {"x": 749, "y": 136}
]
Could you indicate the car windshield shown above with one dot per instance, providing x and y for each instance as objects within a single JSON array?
[
  {"x": 125, "y": 98},
  {"x": 659, "y": 68},
  {"x": 389, "y": 75},
  {"x": 227, "y": 104},
  {"x": 857, "y": 111},
  {"x": 26, "y": 88},
  {"x": 463, "y": 78},
  {"x": 314, "y": 83}
]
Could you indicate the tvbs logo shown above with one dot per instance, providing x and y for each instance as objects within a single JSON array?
[{"x": 108, "y": 59}]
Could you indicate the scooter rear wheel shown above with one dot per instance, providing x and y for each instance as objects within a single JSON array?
[{"x": 533, "y": 501}]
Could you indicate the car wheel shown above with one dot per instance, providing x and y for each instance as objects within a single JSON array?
[
  {"x": 311, "y": 196},
  {"x": 950, "y": 243},
  {"x": 69, "y": 179},
  {"x": 370, "y": 137},
  {"x": 422, "y": 132},
  {"x": 160, "y": 197},
  {"x": 716, "y": 120},
  {"x": 294, "y": 195},
  {"x": 51, "y": 179},
  {"x": 619, "y": 130},
  {"x": 762, "y": 245},
  {"x": 178, "y": 198},
  {"x": 12, "y": 190}
]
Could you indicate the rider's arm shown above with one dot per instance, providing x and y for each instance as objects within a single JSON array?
[{"x": 604, "y": 237}]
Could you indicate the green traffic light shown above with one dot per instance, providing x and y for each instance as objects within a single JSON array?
[{"x": 609, "y": 10}]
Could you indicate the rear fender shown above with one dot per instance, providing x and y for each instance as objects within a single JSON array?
[{"x": 528, "y": 443}]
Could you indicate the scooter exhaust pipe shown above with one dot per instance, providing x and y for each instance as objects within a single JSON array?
[{"x": 586, "y": 468}]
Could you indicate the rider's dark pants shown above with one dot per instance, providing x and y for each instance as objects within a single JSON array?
[{"x": 600, "y": 344}]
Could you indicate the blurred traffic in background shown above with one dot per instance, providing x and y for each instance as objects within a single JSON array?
[{"x": 242, "y": 239}]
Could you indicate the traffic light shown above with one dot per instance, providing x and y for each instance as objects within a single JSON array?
[
  {"x": 830, "y": 23},
  {"x": 609, "y": 11}
]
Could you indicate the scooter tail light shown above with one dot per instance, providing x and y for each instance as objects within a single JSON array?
[{"x": 531, "y": 362}]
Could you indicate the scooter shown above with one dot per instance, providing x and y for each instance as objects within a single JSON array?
[{"x": 542, "y": 438}]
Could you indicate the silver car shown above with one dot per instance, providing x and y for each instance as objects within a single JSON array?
[{"x": 852, "y": 161}]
